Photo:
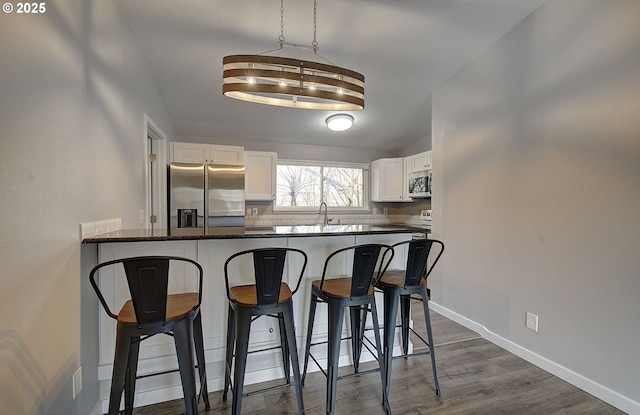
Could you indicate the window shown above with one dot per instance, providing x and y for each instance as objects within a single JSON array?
[{"x": 302, "y": 185}]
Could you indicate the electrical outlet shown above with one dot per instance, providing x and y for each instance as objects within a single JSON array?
[
  {"x": 77, "y": 382},
  {"x": 385, "y": 211},
  {"x": 254, "y": 211},
  {"x": 532, "y": 321}
]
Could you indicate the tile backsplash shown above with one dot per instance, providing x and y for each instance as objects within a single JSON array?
[{"x": 347, "y": 219}]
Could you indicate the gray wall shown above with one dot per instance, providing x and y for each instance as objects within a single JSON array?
[
  {"x": 537, "y": 191},
  {"x": 73, "y": 92}
]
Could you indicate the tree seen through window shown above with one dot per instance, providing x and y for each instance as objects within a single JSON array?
[{"x": 310, "y": 185}]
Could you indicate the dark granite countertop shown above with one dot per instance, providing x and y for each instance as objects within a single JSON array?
[{"x": 142, "y": 235}]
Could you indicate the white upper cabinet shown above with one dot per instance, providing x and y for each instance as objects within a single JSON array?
[
  {"x": 388, "y": 180},
  {"x": 421, "y": 161},
  {"x": 207, "y": 153},
  {"x": 406, "y": 167},
  {"x": 260, "y": 175}
]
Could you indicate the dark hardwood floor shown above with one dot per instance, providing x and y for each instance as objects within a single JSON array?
[{"x": 476, "y": 377}]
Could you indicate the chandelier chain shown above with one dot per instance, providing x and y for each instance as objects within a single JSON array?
[
  {"x": 314, "y": 45},
  {"x": 281, "y": 38},
  {"x": 315, "y": 12}
]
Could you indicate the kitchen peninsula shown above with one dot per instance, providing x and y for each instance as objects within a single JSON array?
[
  {"x": 211, "y": 248},
  {"x": 147, "y": 235}
]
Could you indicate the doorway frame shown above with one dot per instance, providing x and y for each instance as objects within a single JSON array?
[{"x": 156, "y": 195}]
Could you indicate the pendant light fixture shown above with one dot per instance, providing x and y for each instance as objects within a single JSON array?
[{"x": 294, "y": 83}]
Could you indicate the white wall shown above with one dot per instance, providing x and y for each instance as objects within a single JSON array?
[
  {"x": 73, "y": 92},
  {"x": 537, "y": 192}
]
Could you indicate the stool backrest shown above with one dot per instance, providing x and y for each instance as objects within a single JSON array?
[
  {"x": 417, "y": 256},
  {"x": 268, "y": 266},
  {"x": 368, "y": 265},
  {"x": 148, "y": 281}
]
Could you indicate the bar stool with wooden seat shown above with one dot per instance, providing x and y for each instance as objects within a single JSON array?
[
  {"x": 356, "y": 292},
  {"x": 269, "y": 296},
  {"x": 402, "y": 286},
  {"x": 150, "y": 311}
]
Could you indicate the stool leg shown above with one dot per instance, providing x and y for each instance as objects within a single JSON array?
[
  {"x": 202, "y": 364},
  {"x": 291, "y": 339},
  {"x": 284, "y": 348},
  {"x": 120, "y": 360},
  {"x": 183, "y": 339},
  {"x": 405, "y": 316},
  {"x": 307, "y": 349},
  {"x": 432, "y": 349},
  {"x": 356, "y": 344},
  {"x": 231, "y": 340},
  {"x": 132, "y": 372},
  {"x": 336, "y": 315},
  {"x": 243, "y": 326},
  {"x": 390, "y": 313},
  {"x": 381, "y": 359}
]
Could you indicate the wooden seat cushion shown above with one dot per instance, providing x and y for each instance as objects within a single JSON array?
[
  {"x": 246, "y": 294},
  {"x": 394, "y": 278},
  {"x": 337, "y": 287},
  {"x": 178, "y": 306}
]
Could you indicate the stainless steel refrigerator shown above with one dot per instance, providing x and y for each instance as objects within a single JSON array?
[{"x": 205, "y": 195}]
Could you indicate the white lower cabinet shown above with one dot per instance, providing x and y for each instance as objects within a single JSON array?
[
  {"x": 212, "y": 255},
  {"x": 158, "y": 353},
  {"x": 113, "y": 285}
]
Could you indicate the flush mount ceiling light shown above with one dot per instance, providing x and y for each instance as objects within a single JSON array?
[
  {"x": 339, "y": 122},
  {"x": 294, "y": 83}
]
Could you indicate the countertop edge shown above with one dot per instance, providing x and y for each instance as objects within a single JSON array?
[{"x": 143, "y": 235}]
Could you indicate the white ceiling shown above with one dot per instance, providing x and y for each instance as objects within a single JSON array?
[{"x": 405, "y": 49}]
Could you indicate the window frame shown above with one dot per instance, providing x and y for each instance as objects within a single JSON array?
[{"x": 366, "y": 168}]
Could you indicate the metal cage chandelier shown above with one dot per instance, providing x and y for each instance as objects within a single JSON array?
[{"x": 293, "y": 83}]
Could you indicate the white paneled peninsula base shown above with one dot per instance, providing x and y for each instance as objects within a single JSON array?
[{"x": 211, "y": 251}]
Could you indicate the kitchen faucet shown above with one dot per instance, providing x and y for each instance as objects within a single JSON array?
[{"x": 326, "y": 220}]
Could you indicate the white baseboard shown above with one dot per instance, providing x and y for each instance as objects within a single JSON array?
[
  {"x": 98, "y": 409},
  {"x": 599, "y": 391}
]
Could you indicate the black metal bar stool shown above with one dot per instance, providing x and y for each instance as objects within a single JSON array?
[
  {"x": 356, "y": 292},
  {"x": 150, "y": 311},
  {"x": 269, "y": 296},
  {"x": 398, "y": 286}
]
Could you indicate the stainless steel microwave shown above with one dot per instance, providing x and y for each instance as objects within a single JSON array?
[{"x": 420, "y": 184}]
